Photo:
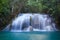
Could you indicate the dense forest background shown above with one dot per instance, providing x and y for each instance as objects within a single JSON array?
[{"x": 9, "y": 9}]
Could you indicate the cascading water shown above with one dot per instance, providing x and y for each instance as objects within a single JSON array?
[{"x": 31, "y": 22}]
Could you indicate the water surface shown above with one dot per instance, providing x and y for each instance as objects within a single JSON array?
[{"x": 29, "y": 35}]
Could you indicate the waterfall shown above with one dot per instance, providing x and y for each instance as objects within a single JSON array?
[{"x": 32, "y": 22}]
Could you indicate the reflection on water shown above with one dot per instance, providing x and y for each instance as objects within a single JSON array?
[
  {"x": 31, "y": 22},
  {"x": 38, "y": 37}
]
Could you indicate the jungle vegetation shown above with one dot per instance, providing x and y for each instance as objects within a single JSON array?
[{"x": 9, "y": 9}]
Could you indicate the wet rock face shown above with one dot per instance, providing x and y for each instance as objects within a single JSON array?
[
  {"x": 24, "y": 25},
  {"x": 30, "y": 28},
  {"x": 33, "y": 22},
  {"x": 58, "y": 23}
]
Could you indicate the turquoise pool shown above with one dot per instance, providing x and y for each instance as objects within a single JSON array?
[{"x": 29, "y": 35}]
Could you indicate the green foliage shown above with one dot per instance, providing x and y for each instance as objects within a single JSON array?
[
  {"x": 48, "y": 6},
  {"x": 4, "y": 6},
  {"x": 36, "y": 4},
  {"x": 4, "y": 12},
  {"x": 42, "y": 6}
]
